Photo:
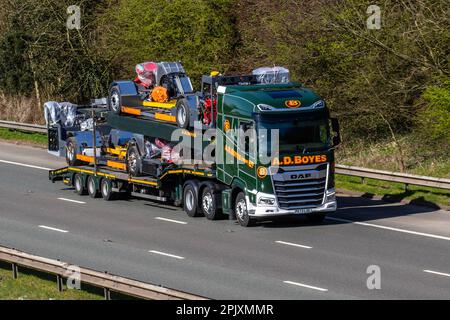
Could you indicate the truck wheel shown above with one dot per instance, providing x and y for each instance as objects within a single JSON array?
[
  {"x": 106, "y": 189},
  {"x": 78, "y": 184},
  {"x": 92, "y": 188},
  {"x": 190, "y": 204},
  {"x": 316, "y": 217},
  {"x": 133, "y": 161},
  {"x": 72, "y": 152},
  {"x": 240, "y": 209},
  {"x": 183, "y": 114},
  {"x": 115, "y": 100},
  {"x": 209, "y": 204}
]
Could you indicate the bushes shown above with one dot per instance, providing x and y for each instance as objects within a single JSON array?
[
  {"x": 199, "y": 33},
  {"x": 382, "y": 84},
  {"x": 434, "y": 120}
]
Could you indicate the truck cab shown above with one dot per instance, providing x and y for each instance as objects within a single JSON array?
[{"x": 284, "y": 165}]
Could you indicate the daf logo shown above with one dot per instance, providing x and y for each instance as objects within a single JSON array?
[{"x": 300, "y": 176}]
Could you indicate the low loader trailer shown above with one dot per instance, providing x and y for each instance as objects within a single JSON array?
[{"x": 270, "y": 145}]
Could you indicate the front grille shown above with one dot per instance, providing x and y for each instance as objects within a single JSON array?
[{"x": 305, "y": 192}]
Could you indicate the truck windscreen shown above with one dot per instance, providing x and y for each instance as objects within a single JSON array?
[{"x": 296, "y": 133}]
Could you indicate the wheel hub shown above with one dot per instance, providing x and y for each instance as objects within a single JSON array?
[
  {"x": 115, "y": 101},
  {"x": 189, "y": 200},
  {"x": 241, "y": 209},
  {"x": 182, "y": 115},
  {"x": 207, "y": 202},
  {"x": 104, "y": 188},
  {"x": 70, "y": 151},
  {"x": 132, "y": 161}
]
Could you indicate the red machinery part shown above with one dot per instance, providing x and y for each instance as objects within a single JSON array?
[{"x": 207, "y": 118}]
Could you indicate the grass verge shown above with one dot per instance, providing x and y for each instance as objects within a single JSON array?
[
  {"x": 36, "y": 139},
  {"x": 34, "y": 285},
  {"x": 394, "y": 191}
]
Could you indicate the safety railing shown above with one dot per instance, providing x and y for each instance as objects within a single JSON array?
[{"x": 109, "y": 283}]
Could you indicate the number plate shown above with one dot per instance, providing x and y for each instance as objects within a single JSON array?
[{"x": 303, "y": 211}]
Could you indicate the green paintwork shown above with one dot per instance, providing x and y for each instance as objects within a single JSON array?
[
  {"x": 241, "y": 101},
  {"x": 239, "y": 104}
]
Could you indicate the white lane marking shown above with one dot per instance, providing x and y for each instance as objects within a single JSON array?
[
  {"x": 166, "y": 254},
  {"x": 293, "y": 244},
  {"x": 391, "y": 228},
  {"x": 170, "y": 220},
  {"x": 70, "y": 200},
  {"x": 24, "y": 165},
  {"x": 53, "y": 229},
  {"x": 438, "y": 273},
  {"x": 305, "y": 285}
]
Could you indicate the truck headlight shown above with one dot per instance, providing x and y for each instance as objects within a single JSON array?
[
  {"x": 266, "y": 201},
  {"x": 331, "y": 194}
]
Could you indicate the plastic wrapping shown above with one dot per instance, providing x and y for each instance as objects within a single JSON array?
[
  {"x": 68, "y": 114},
  {"x": 87, "y": 125},
  {"x": 52, "y": 112},
  {"x": 272, "y": 75},
  {"x": 152, "y": 150},
  {"x": 64, "y": 113}
]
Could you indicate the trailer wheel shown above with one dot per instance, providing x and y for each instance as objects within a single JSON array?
[
  {"x": 78, "y": 184},
  {"x": 106, "y": 189},
  {"x": 72, "y": 152},
  {"x": 190, "y": 204},
  {"x": 209, "y": 204},
  {"x": 91, "y": 187},
  {"x": 240, "y": 209},
  {"x": 183, "y": 114},
  {"x": 133, "y": 161},
  {"x": 115, "y": 100}
]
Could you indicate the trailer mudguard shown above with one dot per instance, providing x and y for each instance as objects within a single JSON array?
[
  {"x": 126, "y": 87},
  {"x": 84, "y": 139}
]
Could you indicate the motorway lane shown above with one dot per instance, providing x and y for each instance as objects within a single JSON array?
[{"x": 221, "y": 259}]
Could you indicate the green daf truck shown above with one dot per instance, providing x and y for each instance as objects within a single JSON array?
[{"x": 266, "y": 151}]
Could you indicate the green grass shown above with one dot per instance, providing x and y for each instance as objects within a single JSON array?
[
  {"x": 19, "y": 136},
  {"x": 33, "y": 285},
  {"x": 394, "y": 191}
]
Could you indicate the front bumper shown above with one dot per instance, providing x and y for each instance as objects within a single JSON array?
[{"x": 261, "y": 211}]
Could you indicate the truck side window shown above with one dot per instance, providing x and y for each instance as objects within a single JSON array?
[{"x": 248, "y": 145}]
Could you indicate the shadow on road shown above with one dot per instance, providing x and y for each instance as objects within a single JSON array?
[{"x": 355, "y": 209}]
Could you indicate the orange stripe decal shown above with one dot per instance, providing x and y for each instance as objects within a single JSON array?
[
  {"x": 116, "y": 165},
  {"x": 165, "y": 117},
  {"x": 133, "y": 111},
  {"x": 84, "y": 158}
]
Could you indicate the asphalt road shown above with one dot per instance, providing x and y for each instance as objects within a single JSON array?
[{"x": 283, "y": 260}]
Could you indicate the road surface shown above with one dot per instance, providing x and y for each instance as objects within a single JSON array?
[{"x": 283, "y": 260}]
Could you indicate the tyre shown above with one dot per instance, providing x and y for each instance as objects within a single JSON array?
[
  {"x": 72, "y": 152},
  {"x": 106, "y": 189},
  {"x": 78, "y": 184},
  {"x": 190, "y": 204},
  {"x": 115, "y": 100},
  {"x": 133, "y": 161},
  {"x": 209, "y": 204},
  {"x": 92, "y": 187},
  {"x": 240, "y": 209},
  {"x": 316, "y": 217},
  {"x": 183, "y": 114}
]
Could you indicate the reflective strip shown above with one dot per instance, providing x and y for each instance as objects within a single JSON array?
[
  {"x": 133, "y": 111},
  {"x": 162, "y": 105},
  {"x": 165, "y": 117},
  {"x": 151, "y": 183},
  {"x": 84, "y": 158},
  {"x": 116, "y": 165}
]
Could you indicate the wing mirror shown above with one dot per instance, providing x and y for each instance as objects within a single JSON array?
[{"x": 336, "y": 130}]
